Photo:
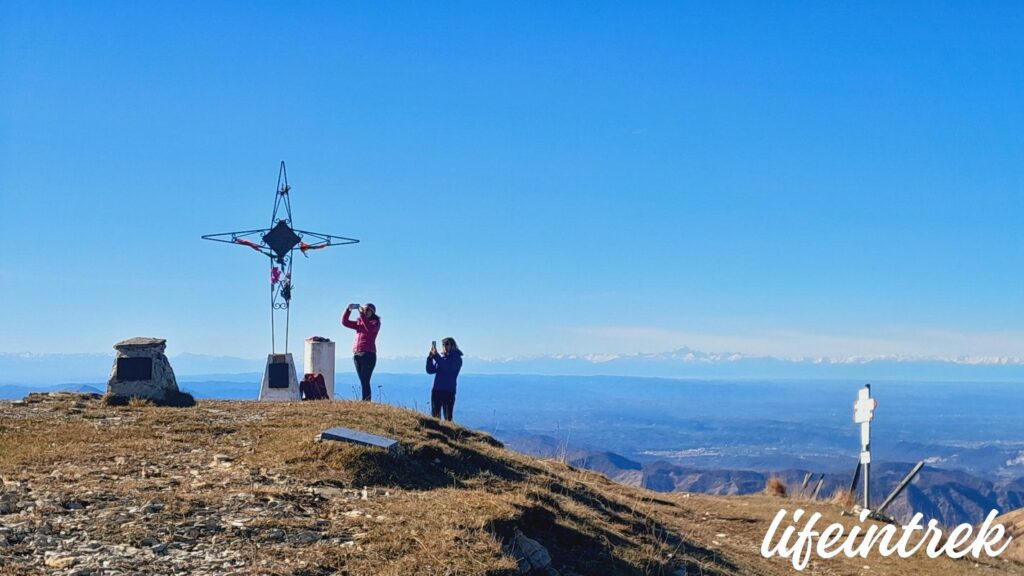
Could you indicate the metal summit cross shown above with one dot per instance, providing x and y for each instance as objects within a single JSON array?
[
  {"x": 863, "y": 414},
  {"x": 279, "y": 243}
]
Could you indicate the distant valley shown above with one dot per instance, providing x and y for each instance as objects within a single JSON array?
[{"x": 952, "y": 497}]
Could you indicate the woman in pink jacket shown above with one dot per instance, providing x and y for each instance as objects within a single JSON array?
[{"x": 364, "y": 350}]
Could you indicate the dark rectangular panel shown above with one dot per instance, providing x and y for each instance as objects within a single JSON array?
[
  {"x": 279, "y": 373},
  {"x": 132, "y": 369},
  {"x": 357, "y": 437}
]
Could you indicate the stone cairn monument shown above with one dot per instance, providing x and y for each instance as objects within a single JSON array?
[{"x": 141, "y": 370}]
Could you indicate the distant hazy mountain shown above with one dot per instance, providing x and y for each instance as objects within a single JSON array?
[
  {"x": 950, "y": 496},
  {"x": 687, "y": 363},
  {"x": 12, "y": 392},
  {"x": 49, "y": 369},
  {"x": 682, "y": 363}
]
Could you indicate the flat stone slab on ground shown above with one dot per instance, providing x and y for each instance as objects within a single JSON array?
[{"x": 362, "y": 438}]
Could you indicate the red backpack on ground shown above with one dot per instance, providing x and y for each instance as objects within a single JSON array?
[{"x": 313, "y": 387}]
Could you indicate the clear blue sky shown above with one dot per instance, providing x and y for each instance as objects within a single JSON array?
[{"x": 530, "y": 177}]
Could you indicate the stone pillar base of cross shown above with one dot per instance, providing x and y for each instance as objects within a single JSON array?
[{"x": 279, "y": 380}]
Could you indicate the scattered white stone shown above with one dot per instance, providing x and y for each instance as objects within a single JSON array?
[
  {"x": 61, "y": 562},
  {"x": 530, "y": 556}
]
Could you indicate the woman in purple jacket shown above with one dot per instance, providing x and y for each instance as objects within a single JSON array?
[
  {"x": 364, "y": 350},
  {"x": 445, "y": 368}
]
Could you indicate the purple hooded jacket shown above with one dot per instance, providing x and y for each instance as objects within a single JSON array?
[{"x": 445, "y": 369}]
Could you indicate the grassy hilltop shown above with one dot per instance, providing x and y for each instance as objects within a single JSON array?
[{"x": 244, "y": 487}]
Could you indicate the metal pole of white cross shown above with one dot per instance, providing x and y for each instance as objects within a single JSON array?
[{"x": 863, "y": 413}]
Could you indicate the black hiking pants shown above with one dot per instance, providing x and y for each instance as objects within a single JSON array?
[
  {"x": 442, "y": 401},
  {"x": 365, "y": 363}
]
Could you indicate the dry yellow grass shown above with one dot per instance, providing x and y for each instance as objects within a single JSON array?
[
  {"x": 1014, "y": 522},
  {"x": 776, "y": 487},
  {"x": 450, "y": 505},
  {"x": 137, "y": 402},
  {"x": 843, "y": 498}
]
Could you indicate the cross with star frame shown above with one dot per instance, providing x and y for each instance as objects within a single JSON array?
[{"x": 279, "y": 243}]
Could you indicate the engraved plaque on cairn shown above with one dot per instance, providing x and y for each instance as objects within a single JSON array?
[{"x": 141, "y": 370}]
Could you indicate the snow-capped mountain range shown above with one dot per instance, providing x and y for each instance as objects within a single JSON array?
[{"x": 41, "y": 369}]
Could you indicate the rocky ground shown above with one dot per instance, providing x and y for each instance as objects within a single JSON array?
[
  {"x": 128, "y": 512},
  {"x": 245, "y": 488}
]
